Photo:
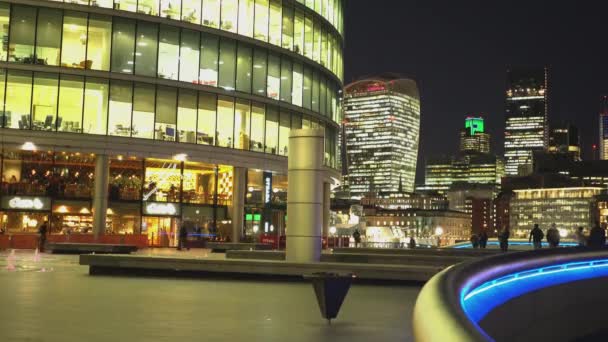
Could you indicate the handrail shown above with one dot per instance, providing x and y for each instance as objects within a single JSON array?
[{"x": 446, "y": 309}]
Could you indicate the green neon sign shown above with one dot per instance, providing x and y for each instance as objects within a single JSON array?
[{"x": 474, "y": 125}]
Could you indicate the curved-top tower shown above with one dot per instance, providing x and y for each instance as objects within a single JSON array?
[
  {"x": 382, "y": 128},
  {"x": 187, "y": 101}
]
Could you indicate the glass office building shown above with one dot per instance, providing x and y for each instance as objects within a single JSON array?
[
  {"x": 381, "y": 133},
  {"x": 603, "y": 125},
  {"x": 473, "y": 137},
  {"x": 222, "y": 82},
  {"x": 526, "y": 127}
]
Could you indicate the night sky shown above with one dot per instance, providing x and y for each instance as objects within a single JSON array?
[{"x": 458, "y": 52}]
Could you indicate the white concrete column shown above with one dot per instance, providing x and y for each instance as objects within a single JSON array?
[
  {"x": 239, "y": 187},
  {"x": 326, "y": 208},
  {"x": 305, "y": 195},
  {"x": 100, "y": 195}
]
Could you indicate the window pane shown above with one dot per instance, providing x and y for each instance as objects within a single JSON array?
[
  {"x": 322, "y": 96},
  {"x": 259, "y": 72},
  {"x": 149, "y": 7},
  {"x": 316, "y": 49},
  {"x": 211, "y": 13},
  {"x": 308, "y": 37},
  {"x": 96, "y": 106},
  {"x": 4, "y": 24},
  {"x": 209, "y": 59},
  {"x": 18, "y": 97},
  {"x": 71, "y": 97},
  {"x": 229, "y": 15},
  {"x": 243, "y": 69},
  {"x": 284, "y": 127},
  {"x": 123, "y": 42},
  {"x": 74, "y": 41},
  {"x": 186, "y": 116},
  {"x": 103, "y": 3},
  {"x": 189, "y": 56},
  {"x": 296, "y": 121},
  {"x": 44, "y": 101},
  {"x": 287, "y": 37},
  {"x": 227, "y": 64},
  {"x": 246, "y": 16},
  {"x": 100, "y": 37},
  {"x": 272, "y": 130},
  {"x": 4, "y": 117},
  {"x": 146, "y": 49},
  {"x": 168, "y": 52},
  {"x": 48, "y": 40},
  {"x": 225, "y": 120},
  {"x": 143, "y": 111},
  {"x": 286, "y": 75},
  {"x": 261, "y": 20},
  {"x": 199, "y": 187},
  {"x": 307, "y": 89},
  {"x": 191, "y": 11},
  {"x": 315, "y": 92},
  {"x": 22, "y": 33},
  {"x": 162, "y": 180},
  {"x": 241, "y": 124},
  {"x": 298, "y": 44},
  {"x": 257, "y": 127},
  {"x": 324, "y": 49},
  {"x": 170, "y": 9},
  {"x": 125, "y": 5},
  {"x": 207, "y": 105},
  {"x": 166, "y": 113},
  {"x": 274, "y": 76},
  {"x": 121, "y": 95},
  {"x": 275, "y": 22},
  {"x": 298, "y": 82}
]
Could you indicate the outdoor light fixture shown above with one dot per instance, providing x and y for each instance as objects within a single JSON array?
[
  {"x": 332, "y": 230},
  {"x": 438, "y": 231},
  {"x": 28, "y": 146},
  {"x": 180, "y": 157}
]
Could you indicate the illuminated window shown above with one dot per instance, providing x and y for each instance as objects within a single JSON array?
[
  {"x": 71, "y": 97},
  {"x": 4, "y": 25},
  {"x": 298, "y": 44},
  {"x": 246, "y": 17},
  {"x": 243, "y": 68},
  {"x": 261, "y": 20},
  {"x": 308, "y": 38},
  {"x": 225, "y": 121},
  {"x": 96, "y": 106},
  {"x": 22, "y": 35},
  {"x": 189, "y": 56},
  {"x": 119, "y": 121},
  {"x": 229, "y": 14},
  {"x": 257, "y": 127},
  {"x": 272, "y": 130},
  {"x": 170, "y": 9},
  {"x": 288, "y": 27},
  {"x": 284, "y": 127},
  {"x": 209, "y": 59},
  {"x": 227, "y": 64},
  {"x": 48, "y": 39},
  {"x": 191, "y": 11},
  {"x": 44, "y": 101},
  {"x": 99, "y": 41},
  {"x": 307, "y": 89},
  {"x": 143, "y": 111},
  {"x": 242, "y": 115},
  {"x": 211, "y": 13},
  {"x": 168, "y": 52},
  {"x": 123, "y": 42},
  {"x": 274, "y": 77},
  {"x": 146, "y": 50},
  {"x": 298, "y": 82},
  {"x": 259, "y": 71},
  {"x": 275, "y": 20},
  {"x": 166, "y": 114},
  {"x": 186, "y": 116},
  {"x": 286, "y": 79},
  {"x": 74, "y": 41},
  {"x": 207, "y": 106},
  {"x": 149, "y": 7}
]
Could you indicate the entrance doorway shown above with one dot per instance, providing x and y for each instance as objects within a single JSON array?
[{"x": 161, "y": 230}]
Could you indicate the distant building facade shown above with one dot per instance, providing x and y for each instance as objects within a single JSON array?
[
  {"x": 406, "y": 201},
  {"x": 442, "y": 172},
  {"x": 473, "y": 138},
  {"x": 603, "y": 138},
  {"x": 565, "y": 139}
]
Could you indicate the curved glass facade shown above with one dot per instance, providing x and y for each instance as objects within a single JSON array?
[{"x": 282, "y": 23}]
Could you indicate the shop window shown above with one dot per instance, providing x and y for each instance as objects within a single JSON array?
[
  {"x": 211, "y": 13},
  {"x": 149, "y": 7},
  {"x": 288, "y": 27},
  {"x": 229, "y": 14},
  {"x": 162, "y": 180},
  {"x": 279, "y": 189},
  {"x": 123, "y": 43},
  {"x": 191, "y": 11},
  {"x": 227, "y": 64},
  {"x": 274, "y": 77},
  {"x": 198, "y": 183},
  {"x": 225, "y": 121},
  {"x": 200, "y": 218},
  {"x": 22, "y": 35},
  {"x": 15, "y": 222},
  {"x": 275, "y": 20},
  {"x": 124, "y": 218},
  {"x": 146, "y": 50},
  {"x": 272, "y": 130},
  {"x": 4, "y": 25},
  {"x": 260, "y": 68},
  {"x": 224, "y": 187},
  {"x": 209, "y": 60},
  {"x": 170, "y": 9},
  {"x": 298, "y": 26},
  {"x": 73, "y": 175},
  {"x": 207, "y": 106},
  {"x": 284, "y": 128},
  {"x": 261, "y": 20},
  {"x": 71, "y": 98},
  {"x": 168, "y": 52},
  {"x": 71, "y": 217},
  {"x": 125, "y": 179},
  {"x": 257, "y": 127},
  {"x": 246, "y": 17},
  {"x": 307, "y": 89},
  {"x": 242, "y": 115},
  {"x": 96, "y": 93},
  {"x": 298, "y": 83},
  {"x": 189, "y": 56},
  {"x": 166, "y": 114},
  {"x": 186, "y": 115},
  {"x": 121, "y": 95},
  {"x": 243, "y": 68},
  {"x": 44, "y": 101},
  {"x": 144, "y": 98},
  {"x": 48, "y": 39},
  {"x": 99, "y": 42},
  {"x": 286, "y": 79},
  {"x": 74, "y": 41},
  {"x": 255, "y": 187},
  {"x": 18, "y": 99}
]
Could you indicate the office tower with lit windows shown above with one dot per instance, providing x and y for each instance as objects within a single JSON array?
[
  {"x": 382, "y": 127},
  {"x": 181, "y": 108},
  {"x": 603, "y": 138},
  {"x": 526, "y": 127},
  {"x": 564, "y": 139},
  {"x": 473, "y": 137}
]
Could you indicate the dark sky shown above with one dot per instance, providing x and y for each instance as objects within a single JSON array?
[{"x": 458, "y": 52}]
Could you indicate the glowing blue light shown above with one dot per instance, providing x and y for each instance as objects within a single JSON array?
[
  {"x": 478, "y": 302},
  {"x": 516, "y": 243}
]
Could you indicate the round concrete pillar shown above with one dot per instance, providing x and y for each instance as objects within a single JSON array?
[
  {"x": 238, "y": 202},
  {"x": 100, "y": 195},
  {"x": 305, "y": 195}
]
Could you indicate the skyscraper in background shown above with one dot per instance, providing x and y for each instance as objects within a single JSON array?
[
  {"x": 381, "y": 133},
  {"x": 473, "y": 138},
  {"x": 526, "y": 128},
  {"x": 604, "y": 128},
  {"x": 564, "y": 139}
]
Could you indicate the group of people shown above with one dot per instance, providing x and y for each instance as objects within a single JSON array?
[
  {"x": 596, "y": 238},
  {"x": 479, "y": 240}
]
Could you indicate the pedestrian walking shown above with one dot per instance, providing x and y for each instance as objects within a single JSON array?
[
  {"x": 553, "y": 236},
  {"x": 412, "y": 243},
  {"x": 580, "y": 237},
  {"x": 483, "y": 239},
  {"x": 474, "y": 241},
  {"x": 357, "y": 237},
  {"x": 42, "y": 231},
  {"x": 503, "y": 238},
  {"x": 182, "y": 236},
  {"x": 597, "y": 237},
  {"x": 536, "y": 237}
]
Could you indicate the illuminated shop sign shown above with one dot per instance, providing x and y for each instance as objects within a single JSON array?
[
  {"x": 26, "y": 203},
  {"x": 161, "y": 209},
  {"x": 267, "y": 187}
]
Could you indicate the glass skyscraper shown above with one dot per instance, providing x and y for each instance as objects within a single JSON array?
[
  {"x": 473, "y": 138},
  {"x": 381, "y": 133},
  {"x": 604, "y": 128},
  {"x": 526, "y": 128}
]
